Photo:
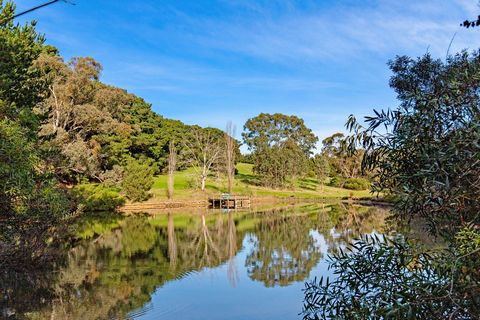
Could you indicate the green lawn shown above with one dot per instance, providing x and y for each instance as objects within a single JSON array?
[{"x": 246, "y": 183}]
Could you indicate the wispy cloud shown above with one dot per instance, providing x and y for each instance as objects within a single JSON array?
[
  {"x": 341, "y": 32},
  {"x": 208, "y": 62}
]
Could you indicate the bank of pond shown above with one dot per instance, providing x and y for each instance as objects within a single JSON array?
[{"x": 190, "y": 263}]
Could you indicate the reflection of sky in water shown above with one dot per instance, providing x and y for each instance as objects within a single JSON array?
[{"x": 209, "y": 294}]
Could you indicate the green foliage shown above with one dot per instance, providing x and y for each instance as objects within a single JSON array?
[
  {"x": 98, "y": 197},
  {"x": 31, "y": 202},
  {"x": 392, "y": 279},
  {"x": 429, "y": 156},
  {"x": 20, "y": 86},
  {"x": 137, "y": 181},
  {"x": 356, "y": 184},
  {"x": 426, "y": 154},
  {"x": 17, "y": 160},
  {"x": 88, "y": 128},
  {"x": 321, "y": 167},
  {"x": 280, "y": 146},
  {"x": 341, "y": 162}
]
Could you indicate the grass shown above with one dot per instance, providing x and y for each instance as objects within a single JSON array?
[{"x": 246, "y": 183}]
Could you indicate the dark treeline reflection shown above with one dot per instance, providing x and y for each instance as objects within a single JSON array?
[{"x": 118, "y": 262}]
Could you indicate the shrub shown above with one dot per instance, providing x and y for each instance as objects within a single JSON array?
[
  {"x": 98, "y": 197},
  {"x": 356, "y": 184},
  {"x": 393, "y": 279},
  {"x": 137, "y": 180},
  {"x": 113, "y": 177},
  {"x": 336, "y": 181}
]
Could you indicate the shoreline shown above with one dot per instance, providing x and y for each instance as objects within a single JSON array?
[{"x": 141, "y": 207}]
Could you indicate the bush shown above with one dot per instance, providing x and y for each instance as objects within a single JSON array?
[
  {"x": 336, "y": 182},
  {"x": 356, "y": 184},
  {"x": 113, "y": 177},
  {"x": 98, "y": 198},
  {"x": 137, "y": 180},
  {"x": 393, "y": 279},
  {"x": 350, "y": 183}
]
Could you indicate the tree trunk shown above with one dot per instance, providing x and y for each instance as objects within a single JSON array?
[
  {"x": 230, "y": 155},
  {"x": 172, "y": 163}
]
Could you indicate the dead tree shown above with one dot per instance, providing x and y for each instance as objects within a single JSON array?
[{"x": 230, "y": 155}]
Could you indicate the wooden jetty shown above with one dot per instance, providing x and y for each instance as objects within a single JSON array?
[{"x": 228, "y": 201}]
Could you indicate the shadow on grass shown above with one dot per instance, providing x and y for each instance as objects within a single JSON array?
[{"x": 249, "y": 179}]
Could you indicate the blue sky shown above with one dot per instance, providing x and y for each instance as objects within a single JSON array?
[{"x": 209, "y": 62}]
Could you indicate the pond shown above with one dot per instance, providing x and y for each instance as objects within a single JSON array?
[{"x": 192, "y": 265}]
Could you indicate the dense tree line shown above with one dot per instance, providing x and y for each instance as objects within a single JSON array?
[{"x": 60, "y": 126}]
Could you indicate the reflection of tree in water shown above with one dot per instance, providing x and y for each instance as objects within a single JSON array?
[
  {"x": 208, "y": 242},
  {"x": 340, "y": 223},
  {"x": 172, "y": 242},
  {"x": 116, "y": 271},
  {"x": 138, "y": 237},
  {"x": 232, "y": 248},
  {"x": 283, "y": 250}
]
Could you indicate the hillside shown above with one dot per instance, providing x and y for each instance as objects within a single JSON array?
[{"x": 246, "y": 183}]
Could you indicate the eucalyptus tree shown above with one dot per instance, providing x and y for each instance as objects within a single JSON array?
[
  {"x": 280, "y": 145},
  {"x": 343, "y": 163},
  {"x": 427, "y": 151},
  {"x": 321, "y": 167},
  {"x": 30, "y": 201}
]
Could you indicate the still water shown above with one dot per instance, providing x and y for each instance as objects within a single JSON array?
[{"x": 192, "y": 265}]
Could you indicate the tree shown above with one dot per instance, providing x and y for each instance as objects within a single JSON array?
[
  {"x": 31, "y": 202},
  {"x": 172, "y": 165},
  {"x": 343, "y": 163},
  {"x": 20, "y": 84},
  {"x": 272, "y": 129},
  {"x": 402, "y": 282},
  {"x": 78, "y": 121},
  {"x": 230, "y": 155},
  {"x": 426, "y": 152},
  {"x": 321, "y": 168},
  {"x": 281, "y": 146},
  {"x": 428, "y": 156},
  {"x": 137, "y": 181},
  {"x": 202, "y": 150}
]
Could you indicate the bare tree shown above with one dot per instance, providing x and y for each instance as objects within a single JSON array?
[
  {"x": 230, "y": 155},
  {"x": 172, "y": 165},
  {"x": 202, "y": 150}
]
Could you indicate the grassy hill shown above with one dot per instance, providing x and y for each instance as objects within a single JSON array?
[{"x": 246, "y": 183}]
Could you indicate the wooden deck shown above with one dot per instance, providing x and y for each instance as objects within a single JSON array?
[{"x": 226, "y": 201}]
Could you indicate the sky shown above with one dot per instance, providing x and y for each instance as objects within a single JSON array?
[{"x": 210, "y": 62}]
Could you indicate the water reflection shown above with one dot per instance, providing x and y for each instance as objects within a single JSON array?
[
  {"x": 283, "y": 249},
  {"x": 120, "y": 262}
]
